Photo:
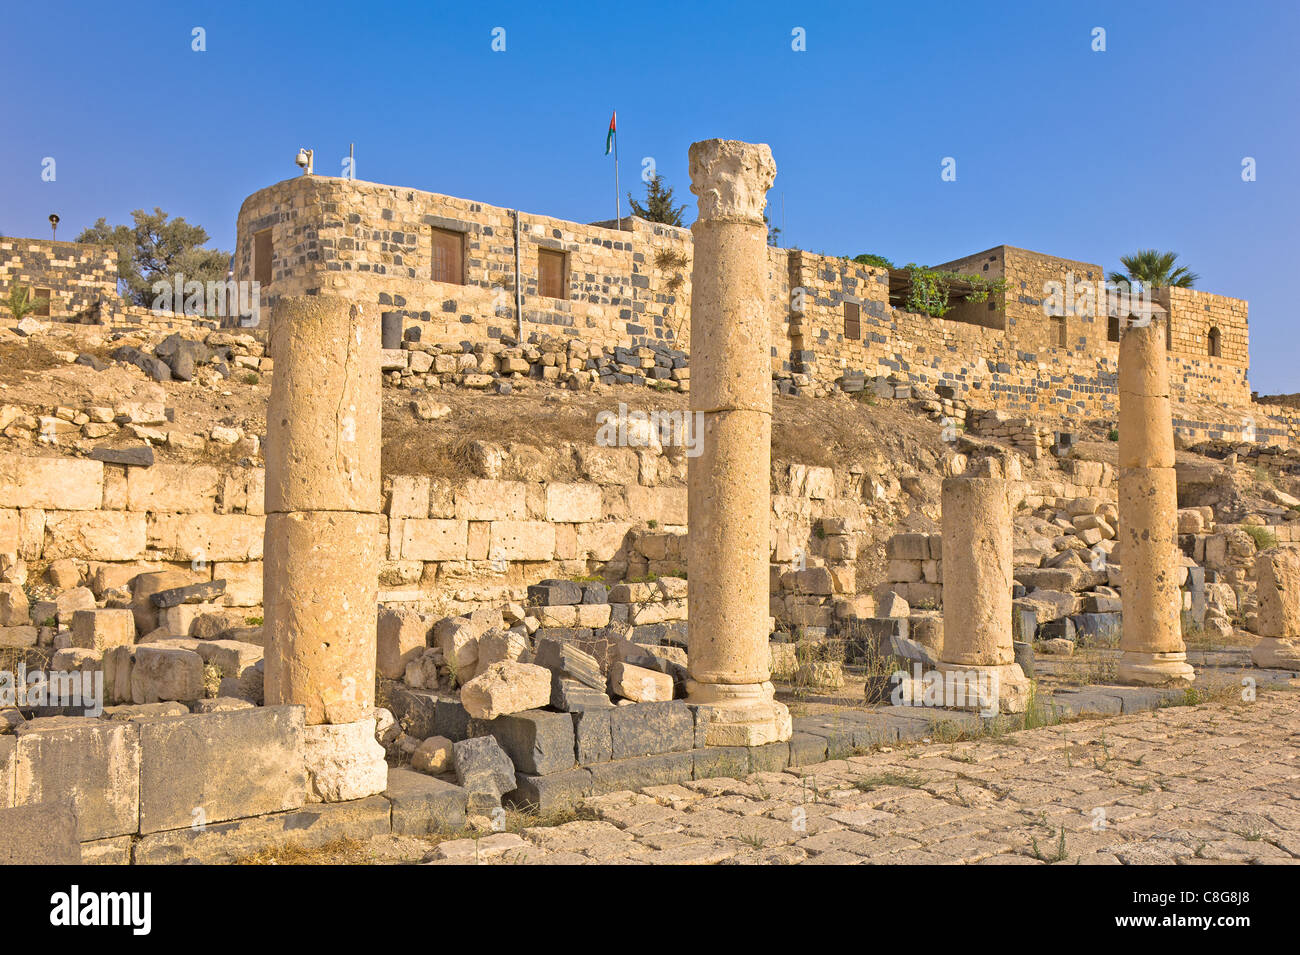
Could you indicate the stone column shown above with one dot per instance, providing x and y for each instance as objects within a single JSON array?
[
  {"x": 977, "y": 566},
  {"x": 323, "y": 540},
  {"x": 1152, "y": 642},
  {"x": 728, "y": 494},
  {"x": 1277, "y": 577}
]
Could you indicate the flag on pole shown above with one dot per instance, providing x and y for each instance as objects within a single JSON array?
[{"x": 613, "y": 128}]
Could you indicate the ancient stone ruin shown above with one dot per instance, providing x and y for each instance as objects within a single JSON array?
[{"x": 388, "y": 569}]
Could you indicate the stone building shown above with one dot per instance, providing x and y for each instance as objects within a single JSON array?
[
  {"x": 75, "y": 279},
  {"x": 454, "y": 268}
]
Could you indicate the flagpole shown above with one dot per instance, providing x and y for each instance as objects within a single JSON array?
[{"x": 618, "y": 195}]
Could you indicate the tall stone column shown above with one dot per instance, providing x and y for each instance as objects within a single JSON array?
[
  {"x": 1152, "y": 642},
  {"x": 1277, "y": 585},
  {"x": 728, "y": 494},
  {"x": 323, "y": 536},
  {"x": 977, "y": 654}
]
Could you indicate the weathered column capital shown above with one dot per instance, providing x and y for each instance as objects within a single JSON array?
[{"x": 731, "y": 178}]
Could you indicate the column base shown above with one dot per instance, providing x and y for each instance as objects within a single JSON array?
[
  {"x": 744, "y": 714},
  {"x": 988, "y": 690},
  {"x": 1276, "y": 653},
  {"x": 344, "y": 761},
  {"x": 1154, "y": 669}
]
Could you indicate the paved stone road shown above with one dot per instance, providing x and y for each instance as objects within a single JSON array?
[{"x": 1218, "y": 783}]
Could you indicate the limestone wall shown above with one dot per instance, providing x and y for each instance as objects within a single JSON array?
[
  {"x": 76, "y": 276},
  {"x": 374, "y": 244}
]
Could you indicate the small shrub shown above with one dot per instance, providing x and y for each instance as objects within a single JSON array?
[
  {"x": 1112, "y": 434},
  {"x": 1262, "y": 536},
  {"x": 251, "y": 378}
]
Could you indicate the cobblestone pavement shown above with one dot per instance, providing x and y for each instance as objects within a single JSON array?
[{"x": 1215, "y": 783}]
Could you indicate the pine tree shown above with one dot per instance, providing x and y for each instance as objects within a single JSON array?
[{"x": 659, "y": 203}]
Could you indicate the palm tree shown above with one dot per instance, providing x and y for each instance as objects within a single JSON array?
[{"x": 1154, "y": 269}]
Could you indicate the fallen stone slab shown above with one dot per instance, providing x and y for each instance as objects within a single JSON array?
[
  {"x": 213, "y": 767},
  {"x": 40, "y": 834},
  {"x": 1085, "y": 702},
  {"x": 639, "y": 684},
  {"x": 484, "y": 770},
  {"x": 567, "y": 660},
  {"x": 137, "y": 457},
  {"x": 555, "y": 593},
  {"x": 204, "y": 592},
  {"x": 538, "y": 742},
  {"x": 570, "y": 696},
  {"x": 165, "y": 673},
  {"x": 423, "y": 805},
  {"x": 221, "y": 704},
  {"x": 134, "y": 713},
  {"x": 227, "y": 842},
  {"x": 102, "y": 629},
  {"x": 505, "y": 688}
]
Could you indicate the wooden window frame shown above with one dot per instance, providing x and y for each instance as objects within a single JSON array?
[
  {"x": 459, "y": 273},
  {"x": 542, "y": 290},
  {"x": 852, "y": 321},
  {"x": 263, "y": 272},
  {"x": 42, "y": 311}
]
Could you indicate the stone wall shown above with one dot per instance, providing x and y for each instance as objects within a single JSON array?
[
  {"x": 375, "y": 244},
  {"x": 77, "y": 276},
  {"x": 458, "y": 545}
]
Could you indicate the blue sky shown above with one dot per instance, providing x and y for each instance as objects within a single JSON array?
[{"x": 1061, "y": 149}]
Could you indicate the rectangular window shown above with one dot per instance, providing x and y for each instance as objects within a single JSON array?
[
  {"x": 552, "y": 276},
  {"x": 1058, "y": 322},
  {"x": 448, "y": 256},
  {"x": 262, "y": 257},
  {"x": 852, "y": 321},
  {"x": 41, "y": 298}
]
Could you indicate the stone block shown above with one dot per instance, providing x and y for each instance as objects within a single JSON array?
[
  {"x": 40, "y": 834},
  {"x": 522, "y": 540},
  {"x": 204, "y": 592},
  {"x": 641, "y": 771},
  {"x": 646, "y": 729},
  {"x": 484, "y": 770},
  {"x": 243, "y": 582},
  {"x": 96, "y": 762},
  {"x": 102, "y": 629},
  {"x": 344, "y": 761},
  {"x": 65, "y": 484},
  {"x": 593, "y": 738},
  {"x": 402, "y": 635},
  {"x": 94, "y": 535},
  {"x": 209, "y": 537},
  {"x": 228, "y": 842},
  {"x": 214, "y": 767},
  {"x": 173, "y": 488},
  {"x": 423, "y": 805},
  {"x": 573, "y": 503},
  {"x": 434, "y": 539},
  {"x": 538, "y": 742},
  {"x": 166, "y": 673},
  {"x": 555, "y": 593},
  {"x": 505, "y": 688},
  {"x": 550, "y": 793}
]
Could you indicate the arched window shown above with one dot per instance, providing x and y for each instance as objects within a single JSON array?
[{"x": 1216, "y": 347}]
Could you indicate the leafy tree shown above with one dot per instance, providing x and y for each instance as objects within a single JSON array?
[
  {"x": 21, "y": 303},
  {"x": 1154, "y": 269},
  {"x": 659, "y": 203},
  {"x": 870, "y": 258},
  {"x": 156, "y": 248}
]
